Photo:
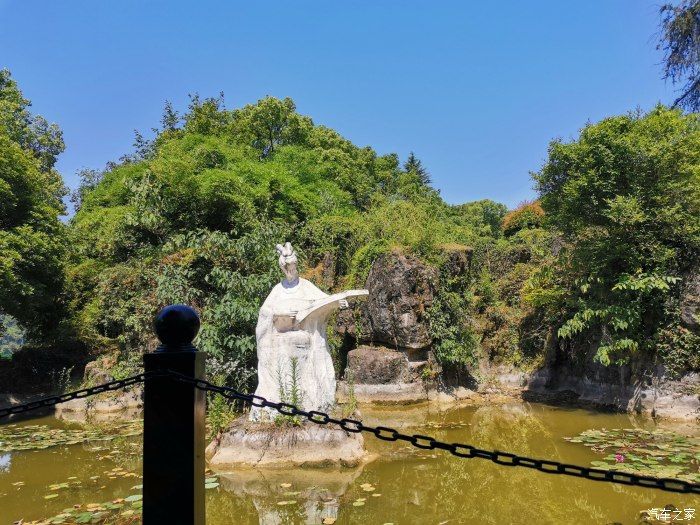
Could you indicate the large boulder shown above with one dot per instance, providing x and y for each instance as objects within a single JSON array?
[
  {"x": 99, "y": 371},
  {"x": 401, "y": 289},
  {"x": 382, "y": 375},
  {"x": 377, "y": 366}
]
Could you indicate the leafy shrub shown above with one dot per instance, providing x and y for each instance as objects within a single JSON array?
[
  {"x": 626, "y": 197},
  {"x": 526, "y": 215}
]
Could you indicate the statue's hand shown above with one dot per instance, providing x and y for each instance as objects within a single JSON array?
[{"x": 343, "y": 304}]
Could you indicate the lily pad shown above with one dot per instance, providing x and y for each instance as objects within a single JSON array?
[{"x": 658, "y": 453}]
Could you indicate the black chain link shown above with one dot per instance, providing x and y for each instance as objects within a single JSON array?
[
  {"x": 384, "y": 433},
  {"x": 77, "y": 394},
  {"x": 457, "y": 449}
]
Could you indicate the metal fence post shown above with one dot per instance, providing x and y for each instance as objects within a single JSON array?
[{"x": 173, "y": 424}]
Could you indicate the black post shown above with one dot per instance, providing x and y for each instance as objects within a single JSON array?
[{"x": 173, "y": 424}]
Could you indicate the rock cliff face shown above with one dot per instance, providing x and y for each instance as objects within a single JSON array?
[
  {"x": 102, "y": 406},
  {"x": 401, "y": 289},
  {"x": 379, "y": 374},
  {"x": 379, "y": 365},
  {"x": 392, "y": 330},
  {"x": 666, "y": 399}
]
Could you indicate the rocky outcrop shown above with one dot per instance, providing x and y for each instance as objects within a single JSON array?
[
  {"x": 119, "y": 402},
  {"x": 391, "y": 365},
  {"x": 128, "y": 401},
  {"x": 662, "y": 398},
  {"x": 458, "y": 259},
  {"x": 401, "y": 289},
  {"x": 98, "y": 371},
  {"x": 249, "y": 444}
]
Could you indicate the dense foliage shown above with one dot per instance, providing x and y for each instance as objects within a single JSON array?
[
  {"x": 626, "y": 198},
  {"x": 32, "y": 241},
  {"x": 192, "y": 215},
  {"x": 11, "y": 336}
]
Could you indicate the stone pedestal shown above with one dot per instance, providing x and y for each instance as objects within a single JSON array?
[{"x": 260, "y": 445}]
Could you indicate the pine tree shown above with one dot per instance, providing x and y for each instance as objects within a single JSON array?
[
  {"x": 680, "y": 42},
  {"x": 414, "y": 165}
]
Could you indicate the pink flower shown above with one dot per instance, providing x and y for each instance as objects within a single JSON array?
[{"x": 619, "y": 458}]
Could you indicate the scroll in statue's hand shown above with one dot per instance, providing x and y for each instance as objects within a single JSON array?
[{"x": 321, "y": 308}]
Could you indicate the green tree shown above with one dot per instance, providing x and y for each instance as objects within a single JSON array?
[
  {"x": 171, "y": 118},
  {"x": 32, "y": 238},
  {"x": 31, "y": 132},
  {"x": 196, "y": 219},
  {"x": 626, "y": 197},
  {"x": 270, "y": 123},
  {"x": 484, "y": 217},
  {"x": 526, "y": 215},
  {"x": 414, "y": 166},
  {"x": 680, "y": 43},
  {"x": 89, "y": 178},
  {"x": 204, "y": 116}
]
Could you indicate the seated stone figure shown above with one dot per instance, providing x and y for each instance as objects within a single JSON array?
[{"x": 294, "y": 365}]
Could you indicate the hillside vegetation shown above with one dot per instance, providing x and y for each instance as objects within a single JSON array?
[{"x": 192, "y": 216}]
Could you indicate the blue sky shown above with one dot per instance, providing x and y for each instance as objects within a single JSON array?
[{"x": 476, "y": 89}]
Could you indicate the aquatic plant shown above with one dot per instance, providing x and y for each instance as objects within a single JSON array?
[
  {"x": 658, "y": 453},
  {"x": 119, "y": 511},
  {"x": 34, "y": 437}
]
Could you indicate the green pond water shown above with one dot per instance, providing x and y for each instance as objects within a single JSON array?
[{"x": 88, "y": 468}]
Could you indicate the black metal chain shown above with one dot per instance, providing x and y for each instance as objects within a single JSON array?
[
  {"x": 384, "y": 433},
  {"x": 457, "y": 449},
  {"x": 77, "y": 394}
]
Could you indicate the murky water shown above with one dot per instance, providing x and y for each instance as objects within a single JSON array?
[{"x": 402, "y": 486}]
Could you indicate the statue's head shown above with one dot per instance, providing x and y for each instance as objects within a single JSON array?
[{"x": 288, "y": 261}]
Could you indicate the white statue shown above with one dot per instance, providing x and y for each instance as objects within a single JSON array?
[{"x": 294, "y": 365}]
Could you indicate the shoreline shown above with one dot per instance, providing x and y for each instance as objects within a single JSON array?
[{"x": 673, "y": 404}]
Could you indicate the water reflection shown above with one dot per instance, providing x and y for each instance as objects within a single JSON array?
[
  {"x": 409, "y": 486},
  {"x": 5, "y": 462},
  {"x": 300, "y": 495}
]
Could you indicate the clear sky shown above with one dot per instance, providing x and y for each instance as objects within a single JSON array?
[{"x": 476, "y": 89}]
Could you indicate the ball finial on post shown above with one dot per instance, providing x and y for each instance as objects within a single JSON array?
[{"x": 176, "y": 326}]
